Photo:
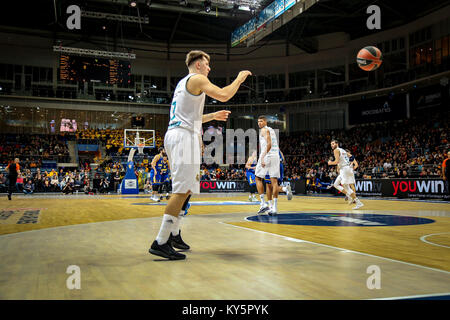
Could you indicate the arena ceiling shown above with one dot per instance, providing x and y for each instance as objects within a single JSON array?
[{"x": 171, "y": 22}]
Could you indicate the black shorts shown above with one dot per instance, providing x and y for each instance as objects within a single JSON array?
[{"x": 12, "y": 180}]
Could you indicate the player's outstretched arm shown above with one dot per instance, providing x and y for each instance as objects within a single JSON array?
[
  {"x": 222, "y": 94},
  {"x": 221, "y": 115}
]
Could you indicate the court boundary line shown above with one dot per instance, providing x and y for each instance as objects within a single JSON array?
[
  {"x": 337, "y": 248},
  {"x": 422, "y": 238},
  {"x": 414, "y": 296}
]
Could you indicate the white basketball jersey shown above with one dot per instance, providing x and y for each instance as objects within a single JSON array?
[
  {"x": 343, "y": 158},
  {"x": 186, "y": 110},
  {"x": 274, "y": 150}
]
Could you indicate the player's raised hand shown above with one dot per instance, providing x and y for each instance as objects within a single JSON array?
[
  {"x": 243, "y": 75},
  {"x": 221, "y": 115}
]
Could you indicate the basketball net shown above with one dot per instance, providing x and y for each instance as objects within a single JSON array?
[
  {"x": 140, "y": 143},
  {"x": 140, "y": 147}
]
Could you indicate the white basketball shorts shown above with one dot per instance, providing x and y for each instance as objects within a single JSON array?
[
  {"x": 183, "y": 148},
  {"x": 272, "y": 167},
  {"x": 347, "y": 174}
]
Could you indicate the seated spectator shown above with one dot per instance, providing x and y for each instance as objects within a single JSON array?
[
  {"x": 147, "y": 186},
  {"x": 47, "y": 185},
  {"x": 3, "y": 187},
  {"x": 54, "y": 182},
  {"x": 423, "y": 173},
  {"x": 28, "y": 188},
  {"x": 87, "y": 187},
  {"x": 67, "y": 185},
  {"x": 104, "y": 185}
]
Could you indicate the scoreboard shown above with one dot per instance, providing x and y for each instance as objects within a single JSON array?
[{"x": 82, "y": 69}]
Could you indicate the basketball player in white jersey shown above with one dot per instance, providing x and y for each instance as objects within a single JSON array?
[
  {"x": 354, "y": 165},
  {"x": 183, "y": 145},
  {"x": 346, "y": 174},
  {"x": 268, "y": 163},
  {"x": 338, "y": 181}
]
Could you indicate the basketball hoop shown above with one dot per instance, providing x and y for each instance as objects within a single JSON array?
[{"x": 140, "y": 147}]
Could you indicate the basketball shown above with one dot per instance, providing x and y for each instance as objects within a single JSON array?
[{"x": 369, "y": 58}]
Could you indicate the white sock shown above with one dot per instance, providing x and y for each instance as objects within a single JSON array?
[
  {"x": 275, "y": 203},
  {"x": 177, "y": 224},
  {"x": 167, "y": 225},
  {"x": 270, "y": 203},
  {"x": 261, "y": 196},
  {"x": 284, "y": 189}
]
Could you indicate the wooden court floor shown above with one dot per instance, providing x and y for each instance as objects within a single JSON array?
[{"x": 231, "y": 257}]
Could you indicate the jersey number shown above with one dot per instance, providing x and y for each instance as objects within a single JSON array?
[{"x": 172, "y": 111}]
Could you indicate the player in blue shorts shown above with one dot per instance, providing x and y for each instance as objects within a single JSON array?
[
  {"x": 155, "y": 174},
  {"x": 165, "y": 177},
  {"x": 250, "y": 173}
]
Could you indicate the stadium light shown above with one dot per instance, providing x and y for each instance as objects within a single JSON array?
[
  {"x": 94, "y": 53},
  {"x": 184, "y": 2},
  {"x": 207, "y": 6},
  {"x": 114, "y": 17}
]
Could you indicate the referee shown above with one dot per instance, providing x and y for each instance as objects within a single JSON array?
[
  {"x": 13, "y": 170},
  {"x": 446, "y": 171}
]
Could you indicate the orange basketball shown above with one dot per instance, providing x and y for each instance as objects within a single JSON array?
[{"x": 369, "y": 58}]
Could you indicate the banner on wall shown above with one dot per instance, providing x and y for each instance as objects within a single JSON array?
[
  {"x": 386, "y": 108},
  {"x": 393, "y": 188},
  {"x": 403, "y": 188},
  {"x": 224, "y": 186},
  {"x": 436, "y": 96},
  {"x": 297, "y": 186},
  {"x": 415, "y": 188}
]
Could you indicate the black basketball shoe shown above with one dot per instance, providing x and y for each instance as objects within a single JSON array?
[
  {"x": 9, "y": 196},
  {"x": 177, "y": 242},
  {"x": 165, "y": 251}
]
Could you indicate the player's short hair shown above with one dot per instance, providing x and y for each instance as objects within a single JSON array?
[
  {"x": 335, "y": 141},
  {"x": 194, "y": 55},
  {"x": 160, "y": 149},
  {"x": 262, "y": 117}
]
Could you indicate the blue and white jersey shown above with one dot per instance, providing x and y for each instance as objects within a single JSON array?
[{"x": 186, "y": 110}]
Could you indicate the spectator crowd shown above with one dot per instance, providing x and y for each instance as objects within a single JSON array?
[{"x": 414, "y": 147}]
